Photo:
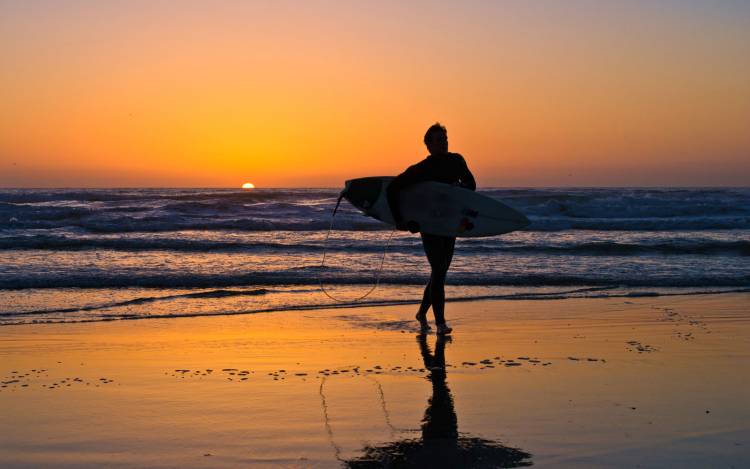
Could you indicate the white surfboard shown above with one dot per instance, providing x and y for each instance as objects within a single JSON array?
[{"x": 440, "y": 209}]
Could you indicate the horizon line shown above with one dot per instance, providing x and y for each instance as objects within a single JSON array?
[{"x": 336, "y": 188}]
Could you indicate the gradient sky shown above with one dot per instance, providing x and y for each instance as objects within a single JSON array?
[{"x": 309, "y": 93}]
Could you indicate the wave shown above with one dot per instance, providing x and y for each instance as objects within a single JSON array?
[
  {"x": 642, "y": 246},
  {"x": 143, "y": 300},
  {"x": 539, "y": 223},
  {"x": 682, "y": 247},
  {"x": 41, "y": 196},
  {"x": 627, "y": 202},
  {"x": 128, "y": 224},
  {"x": 42, "y": 280}
]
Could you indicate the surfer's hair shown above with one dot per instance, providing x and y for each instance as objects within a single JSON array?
[{"x": 436, "y": 127}]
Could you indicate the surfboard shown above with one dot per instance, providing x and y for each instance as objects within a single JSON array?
[{"x": 440, "y": 209}]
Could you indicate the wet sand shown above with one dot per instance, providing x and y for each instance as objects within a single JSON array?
[{"x": 649, "y": 382}]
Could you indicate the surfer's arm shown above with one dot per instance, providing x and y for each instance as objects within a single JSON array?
[
  {"x": 403, "y": 180},
  {"x": 466, "y": 178}
]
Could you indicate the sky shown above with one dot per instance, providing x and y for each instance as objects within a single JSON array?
[{"x": 310, "y": 93}]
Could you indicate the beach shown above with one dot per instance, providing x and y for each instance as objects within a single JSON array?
[
  {"x": 219, "y": 223},
  {"x": 628, "y": 382}
]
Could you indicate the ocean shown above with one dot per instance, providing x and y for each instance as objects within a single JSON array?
[{"x": 72, "y": 255}]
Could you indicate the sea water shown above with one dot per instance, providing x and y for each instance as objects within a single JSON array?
[{"x": 91, "y": 255}]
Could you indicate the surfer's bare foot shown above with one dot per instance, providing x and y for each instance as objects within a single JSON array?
[
  {"x": 424, "y": 326},
  {"x": 443, "y": 329}
]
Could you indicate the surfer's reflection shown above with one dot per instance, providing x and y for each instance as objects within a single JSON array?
[
  {"x": 440, "y": 445},
  {"x": 440, "y": 419}
]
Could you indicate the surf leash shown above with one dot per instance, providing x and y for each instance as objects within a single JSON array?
[
  {"x": 323, "y": 262},
  {"x": 327, "y": 421}
]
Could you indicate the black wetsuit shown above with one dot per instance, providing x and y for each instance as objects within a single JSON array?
[{"x": 448, "y": 168}]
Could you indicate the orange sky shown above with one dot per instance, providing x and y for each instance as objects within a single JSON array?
[{"x": 151, "y": 93}]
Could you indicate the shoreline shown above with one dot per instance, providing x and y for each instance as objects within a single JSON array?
[{"x": 521, "y": 296}]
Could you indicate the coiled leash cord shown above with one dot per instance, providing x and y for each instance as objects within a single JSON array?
[{"x": 323, "y": 262}]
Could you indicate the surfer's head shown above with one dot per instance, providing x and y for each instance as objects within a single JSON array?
[{"x": 436, "y": 139}]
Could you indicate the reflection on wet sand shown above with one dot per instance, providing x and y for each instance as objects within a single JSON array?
[{"x": 441, "y": 444}]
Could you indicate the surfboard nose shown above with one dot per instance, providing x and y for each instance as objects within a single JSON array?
[{"x": 347, "y": 186}]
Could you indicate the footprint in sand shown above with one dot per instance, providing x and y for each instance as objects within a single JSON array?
[{"x": 635, "y": 346}]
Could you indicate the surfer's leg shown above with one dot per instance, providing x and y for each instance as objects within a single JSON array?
[
  {"x": 447, "y": 247},
  {"x": 437, "y": 293},
  {"x": 437, "y": 249},
  {"x": 450, "y": 245},
  {"x": 425, "y": 305},
  {"x": 421, "y": 316}
]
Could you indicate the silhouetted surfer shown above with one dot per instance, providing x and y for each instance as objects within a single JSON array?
[{"x": 448, "y": 168}]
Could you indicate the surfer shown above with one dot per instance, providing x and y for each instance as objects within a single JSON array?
[{"x": 440, "y": 166}]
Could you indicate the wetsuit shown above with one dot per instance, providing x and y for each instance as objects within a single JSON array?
[{"x": 448, "y": 168}]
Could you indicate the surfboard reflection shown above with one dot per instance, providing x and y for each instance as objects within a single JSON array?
[{"x": 441, "y": 444}]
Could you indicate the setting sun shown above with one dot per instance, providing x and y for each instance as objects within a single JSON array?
[{"x": 248, "y": 185}]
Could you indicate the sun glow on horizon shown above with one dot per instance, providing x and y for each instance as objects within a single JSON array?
[
  {"x": 248, "y": 185},
  {"x": 536, "y": 96}
]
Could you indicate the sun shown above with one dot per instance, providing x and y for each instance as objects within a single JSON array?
[{"x": 248, "y": 185}]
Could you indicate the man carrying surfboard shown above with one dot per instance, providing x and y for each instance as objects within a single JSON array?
[{"x": 440, "y": 166}]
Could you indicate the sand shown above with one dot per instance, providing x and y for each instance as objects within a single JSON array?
[{"x": 647, "y": 382}]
